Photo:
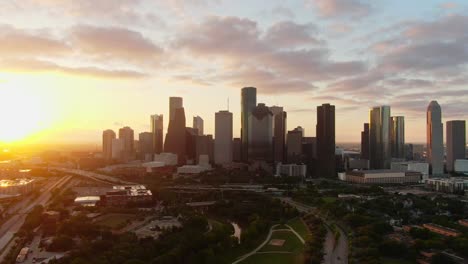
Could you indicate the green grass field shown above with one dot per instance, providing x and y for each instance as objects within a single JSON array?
[
  {"x": 291, "y": 244},
  {"x": 115, "y": 220},
  {"x": 395, "y": 261},
  {"x": 299, "y": 227},
  {"x": 274, "y": 259}
]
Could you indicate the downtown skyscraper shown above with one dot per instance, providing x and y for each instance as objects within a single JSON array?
[
  {"x": 435, "y": 144},
  {"x": 326, "y": 140},
  {"x": 157, "y": 129},
  {"x": 223, "y": 138},
  {"x": 107, "y": 137},
  {"x": 260, "y": 147},
  {"x": 456, "y": 142},
  {"x": 198, "y": 125},
  {"x": 365, "y": 142},
  {"x": 176, "y": 132},
  {"x": 398, "y": 137},
  {"x": 248, "y": 103},
  {"x": 279, "y": 133},
  {"x": 127, "y": 137},
  {"x": 380, "y": 155}
]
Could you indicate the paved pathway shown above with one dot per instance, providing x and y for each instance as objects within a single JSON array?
[{"x": 272, "y": 230}]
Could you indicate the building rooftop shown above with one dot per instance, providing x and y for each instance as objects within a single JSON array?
[
  {"x": 133, "y": 190},
  {"x": 15, "y": 182}
]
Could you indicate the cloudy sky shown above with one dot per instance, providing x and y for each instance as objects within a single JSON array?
[{"x": 69, "y": 69}]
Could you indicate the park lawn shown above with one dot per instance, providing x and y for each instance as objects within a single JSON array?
[
  {"x": 298, "y": 225},
  {"x": 395, "y": 261},
  {"x": 280, "y": 227},
  {"x": 274, "y": 258},
  {"x": 115, "y": 221},
  {"x": 291, "y": 244},
  {"x": 329, "y": 199}
]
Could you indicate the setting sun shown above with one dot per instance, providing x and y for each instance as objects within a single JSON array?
[{"x": 21, "y": 113}]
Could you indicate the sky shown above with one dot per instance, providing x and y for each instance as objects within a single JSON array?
[{"x": 71, "y": 69}]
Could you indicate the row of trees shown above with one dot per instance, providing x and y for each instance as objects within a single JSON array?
[{"x": 314, "y": 245}]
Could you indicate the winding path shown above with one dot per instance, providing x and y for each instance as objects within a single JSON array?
[{"x": 270, "y": 233}]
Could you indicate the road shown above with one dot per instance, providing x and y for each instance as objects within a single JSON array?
[
  {"x": 94, "y": 176},
  {"x": 336, "y": 252},
  {"x": 13, "y": 225}
]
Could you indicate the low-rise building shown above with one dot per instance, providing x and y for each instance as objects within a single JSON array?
[
  {"x": 442, "y": 230},
  {"x": 422, "y": 167},
  {"x": 169, "y": 159},
  {"x": 122, "y": 195},
  {"x": 461, "y": 166},
  {"x": 16, "y": 186},
  {"x": 87, "y": 200},
  {"x": 291, "y": 170},
  {"x": 382, "y": 177},
  {"x": 448, "y": 185}
]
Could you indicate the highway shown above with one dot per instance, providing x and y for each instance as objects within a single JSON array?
[
  {"x": 13, "y": 225},
  {"x": 94, "y": 176}
]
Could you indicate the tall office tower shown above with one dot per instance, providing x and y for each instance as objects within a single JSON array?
[
  {"x": 176, "y": 137},
  {"x": 145, "y": 140},
  {"x": 107, "y": 137},
  {"x": 456, "y": 142},
  {"x": 117, "y": 149},
  {"x": 174, "y": 103},
  {"x": 236, "y": 149},
  {"x": 398, "y": 137},
  {"x": 260, "y": 147},
  {"x": 380, "y": 155},
  {"x": 205, "y": 146},
  {"x": 435, "y": 134},
  {"x": 365, "y": 142},
  {"x": 326, "y": 140},
  {"x": 158, "y": 133},
  {"x": 198, "y": 124},
  {"x": 299, "y": 128},
  {"x": 248, "y": 103},
  {"x": 223, "y": 137},
  {"x": 309, "y": 154},
  {"x": 294, "y": 146},
  {"x": 191, "y": 135},
  {"x": 279, "y": 133},
  {"x": 126, "y": 134}
]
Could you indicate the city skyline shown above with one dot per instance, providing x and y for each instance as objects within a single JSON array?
[{"x": 70, "y": 76}]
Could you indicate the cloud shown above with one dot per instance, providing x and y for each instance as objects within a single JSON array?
[
  {"x": 448, "y": 5},
  {"x": 267, "y": 82},
  {"x": 38, "y": 66},
  {"x": 289, "y": 34},
  {"x": 114, "y": 43},
  {"x": 283, "y": 12},
  {"x": 20, "y": 42},
  {"x": 287, "y": 53},
  {"x": 342, "y": 8},
  {"x": 231, "y": 36}
]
